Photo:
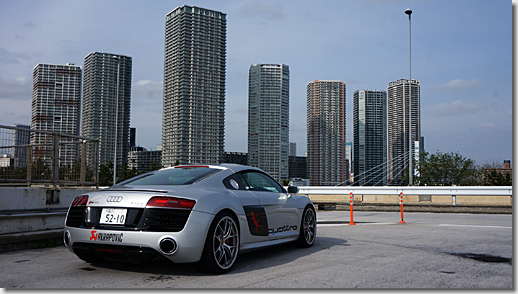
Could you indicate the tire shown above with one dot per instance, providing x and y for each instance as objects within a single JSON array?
[
  {"x": 221, "y": 246},
  {"x": 308, "y": 228}
]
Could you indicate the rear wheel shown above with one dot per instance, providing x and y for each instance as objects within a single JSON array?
[
  {"x": 221, "y": 246},
  {"x": 308, "y": 228}
]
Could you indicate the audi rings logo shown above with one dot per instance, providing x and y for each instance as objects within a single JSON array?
[{"x": 114, "y": 199}]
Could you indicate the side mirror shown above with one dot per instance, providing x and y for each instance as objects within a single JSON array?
[{"x": 293, "y": 190}]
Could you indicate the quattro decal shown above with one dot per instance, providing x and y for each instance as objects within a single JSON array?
[
  {"x": 111, "y": 237},
  {"x": 282, "y": 229},
  {"x": 258, "y": 222}
]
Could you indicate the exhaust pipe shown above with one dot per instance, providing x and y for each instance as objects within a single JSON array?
[
  {"x": 66, "y": 239},
  {"x": 168, "y": 246}
]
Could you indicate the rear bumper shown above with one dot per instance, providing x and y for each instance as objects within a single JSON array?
[{"x": 124, "y": 244}]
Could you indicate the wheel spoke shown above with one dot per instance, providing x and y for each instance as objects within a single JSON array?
[{"x": 226, "y": 242}]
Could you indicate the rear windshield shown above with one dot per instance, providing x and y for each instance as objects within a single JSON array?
[{"x": 172, "y": 176}]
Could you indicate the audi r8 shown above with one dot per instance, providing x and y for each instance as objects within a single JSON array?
[{"x": 201, "y": 214}]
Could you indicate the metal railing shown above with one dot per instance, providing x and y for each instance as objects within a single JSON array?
[
  {"x": 29, "y": 157},
  {"x": 410, "y": 190}
]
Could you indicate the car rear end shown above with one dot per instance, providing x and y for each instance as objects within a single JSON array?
[{"x": 135, "y": 226}]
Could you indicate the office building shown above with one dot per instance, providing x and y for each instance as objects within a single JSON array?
[
  {"x": 326, "y": 133},
  {"x": 106, "y": 105},
  {"x": 193, "y": 121},
  {"x": 144, "y": 160},
  {"x": 56, "y": 107},
  {"x": 398, "y": 127},
  {"x": 21, "y": 138},
  {"x": 297, "y": 167},
  {"x": 268, "y": 118},
  {"x": 133, "y": 137},
  {"x": 235, "y": 157},
  {"x": 370, "y": 137}
]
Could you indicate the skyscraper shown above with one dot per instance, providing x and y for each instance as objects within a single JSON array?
[
  {"x": 56, "y": 106},
  {"x": 193, "y": 121},
  {"x": 370, "y": 137},
  {"x": 106, "y": 104},
  {"x": 293, "y": 149},
  {"x": 326, "y": 133},
  {"x": 268, "y": 118},
  {"x": 398, "y": 126}
]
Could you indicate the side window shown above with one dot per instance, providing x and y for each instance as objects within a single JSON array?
[
  {"x": 260, "y": 182},
  {"x": 235, "y": 182}
]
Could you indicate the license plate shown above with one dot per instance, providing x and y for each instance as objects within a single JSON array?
[{"x": 113, "y": 216}]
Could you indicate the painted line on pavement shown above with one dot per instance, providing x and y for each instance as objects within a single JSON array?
[{"x": 472, "y": 226}]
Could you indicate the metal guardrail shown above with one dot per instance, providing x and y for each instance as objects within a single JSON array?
[
  {"x": 29, "y": 157},
  {"x": 411, "y": 190}
]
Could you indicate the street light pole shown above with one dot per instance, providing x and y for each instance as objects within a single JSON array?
[
  {"x": 116, "y": 121},
  {"x": 410, "y": 150}
]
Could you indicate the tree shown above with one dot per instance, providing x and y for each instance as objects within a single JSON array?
[
  {"x": 127, "y": 173},
  {"x": 447, "y": 169},
  {"x": 106, "y": 174},
  {"x": 154, "y": 166},
  {"x": 493, "y": 177},
  {"x": 285, "y": 182}
]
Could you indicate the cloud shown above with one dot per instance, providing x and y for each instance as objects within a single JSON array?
[
  {"x": 458, "y": 84},
  {"x": 486, "y": 125},
  {"x": 148, "y": 89},
  {"x": 8, "y": 57},
  {"x": 452, "y": 109},
  {"x": 260, "y": 10},
  {"x": 16, "y": 88}
]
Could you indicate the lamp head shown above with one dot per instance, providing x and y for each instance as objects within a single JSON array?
[{"x": 408, "y": 11}]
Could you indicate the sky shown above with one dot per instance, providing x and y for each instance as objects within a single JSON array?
[{"x": 461, "y": 53}]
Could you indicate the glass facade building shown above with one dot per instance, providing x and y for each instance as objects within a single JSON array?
[
  {"x": 268, "y": 118},
  {"x": 193, "y": 119},
  {"x": 370, "y": 137}
]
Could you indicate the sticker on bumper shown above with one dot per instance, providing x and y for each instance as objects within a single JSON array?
[{"x": 110, "y": 237}]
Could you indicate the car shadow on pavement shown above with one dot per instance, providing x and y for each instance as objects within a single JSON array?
[{"x": 250, "y": 261}]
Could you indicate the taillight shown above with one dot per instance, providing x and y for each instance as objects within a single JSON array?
[
  {"x": 80, "y": 201},
  {"x": 170, "y": 202}
]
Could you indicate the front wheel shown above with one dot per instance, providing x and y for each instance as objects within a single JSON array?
[
  {"x": 308, "y": 228},
  {"x": 221, "y": 246}
]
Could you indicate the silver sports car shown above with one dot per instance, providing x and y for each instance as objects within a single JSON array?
[{"x": 204, "y": 214}]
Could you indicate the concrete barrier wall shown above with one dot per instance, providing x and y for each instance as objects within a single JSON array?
[
  {"x": 18, "y": 198},
  {"x": 28, "y": 209}
]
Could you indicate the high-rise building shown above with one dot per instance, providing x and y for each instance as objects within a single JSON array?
[
  {"x": 293, "y": 149},
  {"x": 398, "y": 127},
  {"x": 106, "y": 105},
  {"x": 370, "y": 137},
  {"x": 133, "y": 137},
  {"x": 268, "y": 118},
  {"x": 193, "y": 121},
  {"x": 20, "y": 138},
  {"x": 326, "y": 133},
  {"x": 56, "y": 107}
]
